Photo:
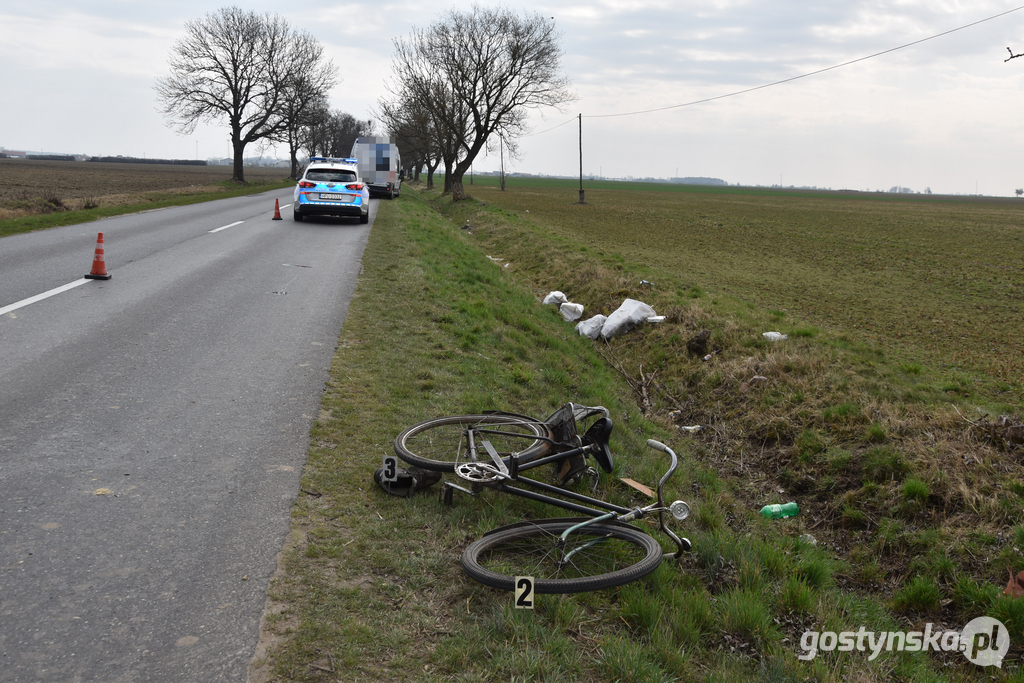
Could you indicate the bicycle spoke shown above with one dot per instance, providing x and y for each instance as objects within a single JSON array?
[{"x": 442, "y": 443}]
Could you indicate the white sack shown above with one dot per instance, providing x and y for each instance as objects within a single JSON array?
[
  {"x": 571, "y": 312},
  {"x": 591, "y": 327},
  {"x": 627, "y": 316},
  {"x": 774, "y": 336},
  {"x": 556, "y": 297}
]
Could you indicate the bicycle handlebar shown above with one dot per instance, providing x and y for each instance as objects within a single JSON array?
[
  {"x": 658, "y": 446},
  {"x": 682, "y": 544}
]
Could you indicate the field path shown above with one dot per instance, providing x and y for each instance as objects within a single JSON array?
[{"x": 153, "y": 429}]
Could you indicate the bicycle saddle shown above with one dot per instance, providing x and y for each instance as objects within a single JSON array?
[{"x": 599, "y": 433}]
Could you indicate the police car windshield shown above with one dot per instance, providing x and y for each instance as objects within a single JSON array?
[{"x": 330, "y": 175}]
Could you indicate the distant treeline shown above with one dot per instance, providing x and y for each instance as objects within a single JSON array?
[
  {"x": 136, "y": 160},
  {"x": 51, "y": 157},
  {"x": 699, "y": 181},
  {"x": 116, "y": 160}
]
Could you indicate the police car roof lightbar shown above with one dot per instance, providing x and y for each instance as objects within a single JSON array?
[{"x": 347, "y": 160}]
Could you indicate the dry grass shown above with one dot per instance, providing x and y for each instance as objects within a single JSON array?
[
  {"x": 940, "y": 281},
  {"x": 36, "y": 187}
]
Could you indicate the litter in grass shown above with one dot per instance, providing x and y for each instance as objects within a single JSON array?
[
  {"x": 774, "y": 336},
  {"x": 556, "y": 297},
  {"x": 627, "y": 316},
  {"x": 591, "y": 327},
  {"x": 1015, "y": 586},
  {"x": 638, "y": 486},
  {"x": 752, "y": 382},
  {"x": 778, "y": 511},
  {"x": 571, "y": 312},
  {"x": 698, "y": 343}
]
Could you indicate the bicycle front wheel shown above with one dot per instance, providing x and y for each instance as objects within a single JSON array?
[
  {"x": 442, "y": 443},
  {"x": 606, "y": 555}
]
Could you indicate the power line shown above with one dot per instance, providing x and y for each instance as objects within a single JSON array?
[
  {"x": 791, "y": 79},
  {"x": 568, "y": 121}
]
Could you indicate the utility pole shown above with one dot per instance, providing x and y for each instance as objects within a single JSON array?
[{"x": 582, "y": 201}]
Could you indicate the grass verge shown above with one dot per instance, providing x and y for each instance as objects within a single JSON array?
[{"x": 894, "y": 533}]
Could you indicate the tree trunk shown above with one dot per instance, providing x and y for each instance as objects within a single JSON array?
[
  {"x": 238, "y": 174},
  {"x": 293, "y": 151},
  {"x": 457, "y": 189},
  {"x": 447, "y": 175},
  {"x": 431, "y": 167}
]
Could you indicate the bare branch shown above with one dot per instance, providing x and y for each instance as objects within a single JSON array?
[
  {"x": 243, "y": 68},
  {"x": 479, "y": 73}
]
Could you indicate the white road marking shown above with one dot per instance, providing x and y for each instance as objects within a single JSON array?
[
  {"x": 225, "y": 227},
  {"x": 286, "y": 206},
  {"x": 39, "y": 297}
]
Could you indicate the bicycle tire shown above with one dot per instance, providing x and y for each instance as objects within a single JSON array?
[
  {"x": 625, "y": 554},
  {"x": 439, "y": 444}
]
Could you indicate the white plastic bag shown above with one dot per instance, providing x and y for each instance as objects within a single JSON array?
[
  {"x": 556, "y": 297},
  {"x": 591, "y": 327},
  {"x": 571, "y": 312},
  {"x": 774, "y": 336},
  {"x": 627, "y": 316}
]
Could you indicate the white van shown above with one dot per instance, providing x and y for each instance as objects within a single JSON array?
[{"x": 380, "y": 165}]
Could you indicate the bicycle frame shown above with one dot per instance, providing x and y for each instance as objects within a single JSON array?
[{"x": 496, "y": 475}]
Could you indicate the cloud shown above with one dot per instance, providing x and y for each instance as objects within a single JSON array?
[
  {"x": 921, "y": 109},
  {"x": 87, "y": 42}
]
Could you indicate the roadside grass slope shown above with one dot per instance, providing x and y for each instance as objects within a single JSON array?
[{"x": 910, "y": 514}]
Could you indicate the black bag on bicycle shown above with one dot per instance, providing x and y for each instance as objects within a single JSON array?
[{"x": 408, "y": 481}]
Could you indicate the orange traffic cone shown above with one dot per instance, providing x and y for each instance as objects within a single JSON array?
[
  {"x": 99, "y": 265},
  {"x": 277, "y": 210}
]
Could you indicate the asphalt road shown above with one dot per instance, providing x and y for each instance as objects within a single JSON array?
[{"x": 153, "y": 429}]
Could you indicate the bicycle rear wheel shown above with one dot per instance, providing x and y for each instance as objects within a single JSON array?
[
  {"x": 441, "y": 443},
  {"x": 621, "y": 554}
]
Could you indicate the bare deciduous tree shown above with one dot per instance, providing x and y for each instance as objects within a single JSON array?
[
  {"x": 411, "y": 125},
  {"x": 233, "y": 65},
  {"x": 478, "y": 73},
  {"x": 306, "y": 94},
  {"x": 332, "y": 134}
]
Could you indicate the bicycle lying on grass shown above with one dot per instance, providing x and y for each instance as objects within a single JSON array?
[{"x": 491, "y": 450}]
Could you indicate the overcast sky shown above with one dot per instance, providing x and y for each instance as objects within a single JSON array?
[{"x": 78, "y": 77}]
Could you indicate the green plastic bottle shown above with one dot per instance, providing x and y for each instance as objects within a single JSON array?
[{"x": 780, "y": 511}]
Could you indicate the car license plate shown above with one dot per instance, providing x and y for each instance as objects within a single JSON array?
[{"x": 344, "y": 198}]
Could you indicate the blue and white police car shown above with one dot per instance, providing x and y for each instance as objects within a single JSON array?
[{"x": 331, "y": 187}]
